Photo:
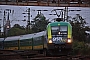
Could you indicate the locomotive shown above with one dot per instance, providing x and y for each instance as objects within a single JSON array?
[
  {"x": 59, "y": 37},
  {"x": 56, "y": 39}
]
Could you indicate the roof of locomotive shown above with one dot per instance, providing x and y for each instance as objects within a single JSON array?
[{"x": 61, "y": 23}]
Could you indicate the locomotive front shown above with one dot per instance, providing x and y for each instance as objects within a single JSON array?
[{"x": 59, "y": 37}]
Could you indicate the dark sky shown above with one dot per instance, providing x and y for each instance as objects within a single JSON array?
[{"x": 18, "y": 10}]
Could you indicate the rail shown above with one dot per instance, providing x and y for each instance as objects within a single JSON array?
[{"x": 34, "y": 55}]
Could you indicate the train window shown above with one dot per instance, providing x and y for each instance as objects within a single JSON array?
[
  {"x": 63, "y": 28},
  {"x": 54, "y": 30}
]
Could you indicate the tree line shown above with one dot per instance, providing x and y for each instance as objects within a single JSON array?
[{"x": 39, "y": 23}]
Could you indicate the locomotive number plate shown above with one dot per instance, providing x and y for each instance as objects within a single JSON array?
[{"x": 57, "y": 38}]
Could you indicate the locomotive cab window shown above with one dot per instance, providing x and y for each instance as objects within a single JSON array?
[
  {"x": 63, "y": 30},
  {"x": 59, "y": 30},
  {"x": 54, "y": 30}
]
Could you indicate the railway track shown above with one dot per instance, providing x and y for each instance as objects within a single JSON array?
[
  {"x": 62, "y": 58},
  {"x": 27, "y": 55}
]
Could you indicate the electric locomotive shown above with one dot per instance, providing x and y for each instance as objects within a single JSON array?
[{"x": 59, "y": 37}]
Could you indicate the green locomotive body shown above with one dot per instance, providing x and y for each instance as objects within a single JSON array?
[{"x": 59, "y": 37}]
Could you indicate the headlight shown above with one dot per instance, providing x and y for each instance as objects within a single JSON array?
[
  {"x": 59, "y": 33},
  {"x": 69, "y": 41},
  {"x": 50, "y": 41}
]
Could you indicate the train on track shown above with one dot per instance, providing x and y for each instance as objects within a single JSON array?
[{"x": 57, "y": 39}]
